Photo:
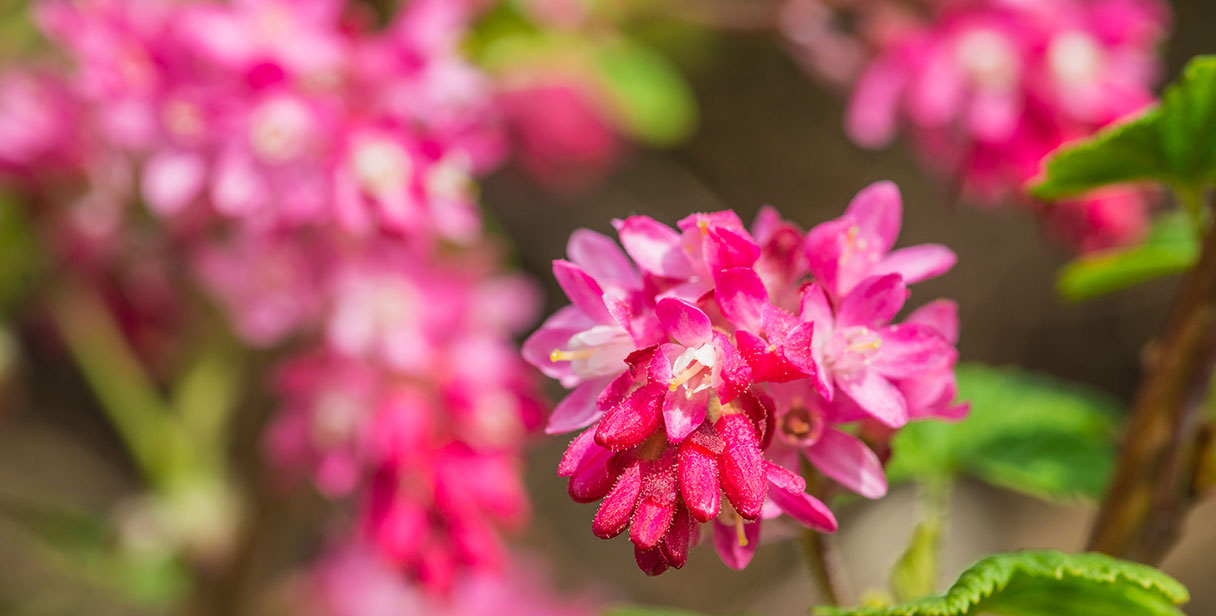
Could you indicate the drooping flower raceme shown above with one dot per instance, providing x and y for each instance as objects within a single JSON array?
[
  {"x": 988, "y": 88},
  {"x": 705, "y": 361}
]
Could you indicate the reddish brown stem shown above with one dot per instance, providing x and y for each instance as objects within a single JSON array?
[{"x": 1154, "y": 481}]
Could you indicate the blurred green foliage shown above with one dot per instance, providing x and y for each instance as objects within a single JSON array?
[
  {"x": 1026, "y": 432},
  {"x": 1170, "y": 248}
]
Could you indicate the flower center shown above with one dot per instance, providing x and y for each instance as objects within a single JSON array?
[
  {"x": 1075, "y": 58},
  {"x": 279, "y": 129},
  {"x": 382, "y": 167},
  {"x": 690, "y": 364},
  {"x": 852, "y": 349},
  {"x": 989, "y": 59},
  {"x": 801, "y": 426}
]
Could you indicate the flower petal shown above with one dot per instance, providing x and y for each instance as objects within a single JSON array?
[
  {"x": 874, "y": 302},
  {"x": 910, "y": 350},
  {"x": 877, "y": 396},
  {"x": 631, "y": 421},
  {"x": 741, "y": 295},
  {"x": 655, "y": 247},
  {"x": 917, "y": 263},
  {"x": 601, "y": 257},
  {"x": 736, "y": 552},
  {"x": 617, "y": 507},
  {"x": 940, "y": 314},
  {"x": 684, "y": 322},
  {"x": 850, "y": 462},
  {"x": 878, "y": 211},
  {"x": 584, "y": 292},
  {"x": 578, "y": 409},
  {"x": 682, "y": 414},
  {"x": 727, "y": 248},
  {"x": 806, "y": 509}
]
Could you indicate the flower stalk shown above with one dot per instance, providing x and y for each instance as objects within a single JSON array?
[{"x": 1154, "y": 481}]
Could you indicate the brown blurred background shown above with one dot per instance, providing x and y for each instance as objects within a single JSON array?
[{"x": 767, "y": 135}]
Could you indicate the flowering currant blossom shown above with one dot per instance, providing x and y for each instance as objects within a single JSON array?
[
  {"x": 988, "y": 88},
  {"x": 314, "y": 174},
  {"x": 754, "y": 349}
]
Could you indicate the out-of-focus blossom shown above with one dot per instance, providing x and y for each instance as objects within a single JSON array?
[
  {"x": 987, "y": 89},
  {"x": 747, "y": 364}
]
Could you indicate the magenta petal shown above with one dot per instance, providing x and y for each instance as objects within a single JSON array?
[
  {"x": 578, "y": 409},
  {"x": 741, "y": 296},
  {"x": 876, "y": 396},
  {"x": 631, "y": 421},
  {"x": 783, "y": 477},
  {"x": 799, "y": 350},
  {"x": 910, "y": 350},
  {"x": 594, "y": 478},
  {"x": 816, "y": 309},
  {"x": 872, "y": 302},
  {"x": 806, "y": 509},
  {"x": 732, "y": 374},
  {"x": 679, "y": 538},
  {"x": 657, "y": 503},
  {"x": 741, "y": 466},
  {"x": 682, "y": 414},
  {"x": 940, "y": 314},
  {"x": 917, "y": 263},
  {"x": 824, "y": 247},
  {"x": 603, "y": 259},
  {"x": 727, "y": 248},
  {"x": 850, "y": 462},
  {"x": 736, "y": 553},
  {"x": 698, "y": 475},
  {"x": 684, "y": 321},
  {"x": 584, "y": 292},
  {"x": 878, "y": 210},
  {"x": 874, "y": 107},
  {"x": 652, "y": 562},
  {"x": 578, "y": 453},
  {"x": 655, "y": 247},
  {"x": 767, "y": 365},
  {"x": 617, "y": 508}
]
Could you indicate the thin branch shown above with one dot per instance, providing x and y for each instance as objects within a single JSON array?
[
  {"x": 1153, "y": 485},
  {"x": 823, "y": 565}
]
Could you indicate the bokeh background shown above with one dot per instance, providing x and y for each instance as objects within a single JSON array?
[{"x": 766, "y": 135}]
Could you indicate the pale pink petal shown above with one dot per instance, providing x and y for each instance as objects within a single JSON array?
[
  {"x": 850, "y": 462},
  {"x": 878, "y": 211},
  {"x": 873, "y": 110},
  {"x": 910, "y": 350},
  {"x": 816, "y": 309},
  {"x": 877, "y": 396},
  {"x": 684, "y": 322},
  {"x": 577, "y": 410},
  {"x": 553, "y": 335},
  {"x": 825, "y": 247},
  {"x": 655, "y": 247},
  {"x": 741, "y": 295},
  {"x": 171, "y": 180},
  {"x": 916, "y": 263},
  {"x": 736, "y": 552},
  {"x": 582, "y": 290},
  {"x": 603, "y": 259},
  {"x": 682, "y": 414},
  {"x": 805, "y": 509},
  {"x": 873, "y": 302},
  {"x": 940, "y": 314}
]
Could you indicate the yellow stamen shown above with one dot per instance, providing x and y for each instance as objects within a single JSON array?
[
  {"x": 563, "y": 355},
  {"x": 739, "y": 531},
  {"x": 684, "y": 376},
  {"x": 866, "y": 346}
]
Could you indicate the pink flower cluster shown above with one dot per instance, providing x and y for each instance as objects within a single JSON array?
[
  {"x": 704, "y": 361},
  {"x": 315, "y": 173},
  {"x": 988, "y": 88}
]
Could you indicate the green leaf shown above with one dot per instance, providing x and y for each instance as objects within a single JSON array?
[
  {"x": 1173, "y": 143},
  {"x": 1045, "y": 583},
  {"x": 653, "y": 102},
  {"x": 1025, "y": 432},
  {"x": 1170, "y": 248}
]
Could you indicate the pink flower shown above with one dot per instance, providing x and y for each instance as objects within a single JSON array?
[
  {"x": 679, "y": 420},
  {"x": 989, "y": 88}
]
